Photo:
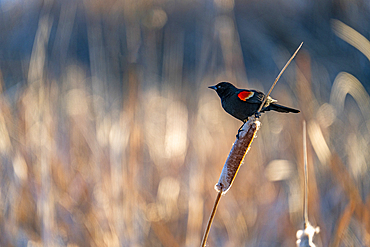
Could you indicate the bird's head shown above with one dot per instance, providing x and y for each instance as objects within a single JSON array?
[{"x": 224, "y": 88}]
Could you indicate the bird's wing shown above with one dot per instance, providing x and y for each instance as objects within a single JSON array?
[
  {"x": 244, "y": 95},
  {"x": 254, "y": 97},
  {"x": 250, "y": 96}
]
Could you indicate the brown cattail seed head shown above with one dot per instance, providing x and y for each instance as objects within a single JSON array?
[{"x": 236, "y": 155}]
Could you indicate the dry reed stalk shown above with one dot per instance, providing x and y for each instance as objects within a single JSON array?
[
  {"x": 279, "y": 75},
  {"x": 305, "y": 236},
  {"x": 343, "y": 223},
  {"x": 36, "y": 79},
  {"x": 238, "y": 152},
  {"x": 356, "y": 206},
  {"x": 305, "y": 199}
]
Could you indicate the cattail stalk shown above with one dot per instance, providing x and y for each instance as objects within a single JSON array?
[
  {"x": 232, "y": 165},
  {"x": 210, "y": 220}
]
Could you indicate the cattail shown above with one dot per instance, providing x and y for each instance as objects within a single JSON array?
[
  {"x": 232, "y": 165},
  {"x": 236, "y": 155}
]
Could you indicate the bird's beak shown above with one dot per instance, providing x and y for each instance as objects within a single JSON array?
[{"x": 213, "y": 87}]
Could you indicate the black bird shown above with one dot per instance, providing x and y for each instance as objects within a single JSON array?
[{"x": 243, "y": 103}]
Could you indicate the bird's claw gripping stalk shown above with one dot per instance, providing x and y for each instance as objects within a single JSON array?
[
  {"x": 240, "y": 129},
  {"x": 237, "y": 135}
]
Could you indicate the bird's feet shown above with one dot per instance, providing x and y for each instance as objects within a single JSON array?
[
  {"x": 257, "y": 114},
  {"x": 240, "y": 129},
  {"x": 237, "y": 135}
]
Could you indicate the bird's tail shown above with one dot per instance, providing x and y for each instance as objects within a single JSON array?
[{"x": 281, "y": 108}]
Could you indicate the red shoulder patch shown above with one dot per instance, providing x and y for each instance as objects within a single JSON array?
[{"x": 244, "y": 95}]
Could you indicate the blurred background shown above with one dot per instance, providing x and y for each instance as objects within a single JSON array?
[{"x": 109, "y": 135}]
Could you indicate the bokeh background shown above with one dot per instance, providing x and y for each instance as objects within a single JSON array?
[{"x": 109, "y": 135}]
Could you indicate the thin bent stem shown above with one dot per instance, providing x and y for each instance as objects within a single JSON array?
[
  {"x": 305, "y": 202},
  {"x": 210, "y": 220},
  {"x": 278, "y": 77}
]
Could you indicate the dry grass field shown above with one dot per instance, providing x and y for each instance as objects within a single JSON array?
[{"x": 109, "y": 135}]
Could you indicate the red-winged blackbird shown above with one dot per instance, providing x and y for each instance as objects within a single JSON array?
[{"x": 243, "y": 103}]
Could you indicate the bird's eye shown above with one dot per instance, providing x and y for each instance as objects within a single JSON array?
[{"x": 218, "y": 86}]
